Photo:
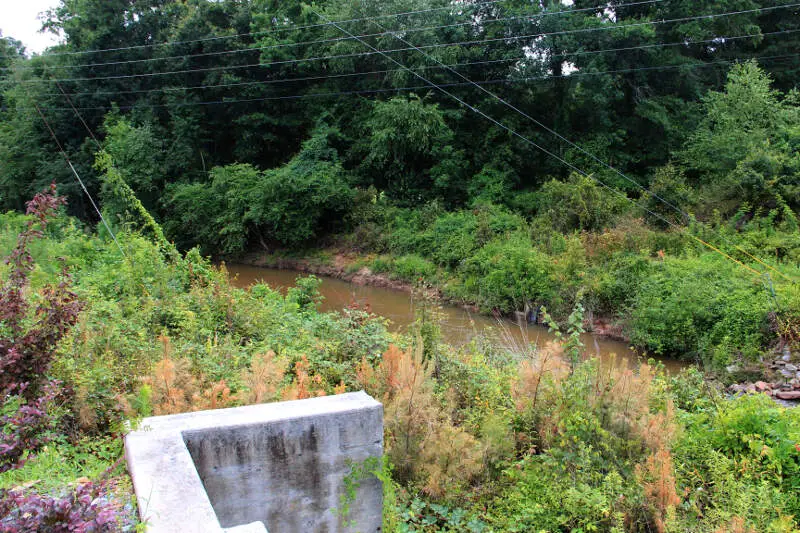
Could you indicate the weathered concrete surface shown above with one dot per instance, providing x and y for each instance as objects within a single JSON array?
[{"x": 281, "y": 464}]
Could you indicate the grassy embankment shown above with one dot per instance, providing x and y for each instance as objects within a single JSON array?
[
  {"x": 662, "y": 290},
  {"x": 476, "y": 439}
]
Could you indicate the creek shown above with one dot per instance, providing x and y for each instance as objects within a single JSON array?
[{"x": 458, "y": 325}]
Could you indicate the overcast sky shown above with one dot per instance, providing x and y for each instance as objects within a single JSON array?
[{"x": 19, "y": 19}]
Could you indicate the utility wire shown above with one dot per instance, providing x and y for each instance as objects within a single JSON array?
[
  {"x": 439, "y": 87},
  {"x": 539, "y": 147},
  {"x": 516, "y": 109},
  {"x": 330, "y": 40},
  {"x": 716, "y": 40},
  {"x": 69, "y": 100},
  {"x": 418, "y": 87},
  {"x": 166, "y": 246},
  {"x": 431, "y": 46},
  {"x": 80, "y": 181},
  {"x": 452, "y": 7}
]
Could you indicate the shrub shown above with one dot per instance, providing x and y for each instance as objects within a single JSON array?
[
  {"x": 27, "y": 424},
  {"x": 243, "y": 207},
  {"x": 507, "y": 273},
  {"x": 668, "y": 186},
  {"x": 580, "y": 203},
  {"x": 547, "y": 495},
  {"x": 618, "y": 280},
  {"x": 27, "y": 339},
  {"x": 305, "y": 293},
  {"x": 739, "y": 460},
  {"x": 27, "y": 343},
  {"x": 412, "y": 268},
  {"x": 700, "y": 307},
  {"x": 424, "y": 446},
  {"x": 88, "y": 507},
  {"x": 380, "y": 265}
]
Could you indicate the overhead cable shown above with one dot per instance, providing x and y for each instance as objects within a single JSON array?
[
  {"x": 323, "y": 41},
  {"x": 431, "y": 46},
  {"x": 539, "y": 147},
  {"x": 455, "y": 6},
  {"x": 77, "y": 177},
  {"x": 716, "y": 40},
  {"x": 419, "y": 87},
  {"x": 574, "y": 145}
]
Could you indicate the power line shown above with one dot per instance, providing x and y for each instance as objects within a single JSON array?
[
  {"x": 431, "y": 46},
  {"x": 418, "y": 87},
  {"x": 462, "y": 6},
  {"x": 80, "y": 181},
  {"x": 166, "y": 246},
  {"x": 548, "y": 152},
  {"x": 439, "y": 87},
  {"x": 561, "y": 137},
  {"x": 716, "y": 40},
  {"x": 331, "y": 40},
  {"x": 569, "y": 142}
]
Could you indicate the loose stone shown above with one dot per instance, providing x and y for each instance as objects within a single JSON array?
[{"x": 788, "y": 395}]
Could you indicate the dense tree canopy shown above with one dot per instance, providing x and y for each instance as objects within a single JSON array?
[
  {"x": 629, "y": 166},
  {"x": 177, "y": 89}
]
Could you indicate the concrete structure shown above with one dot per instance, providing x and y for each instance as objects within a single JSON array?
[{"x": 280, "y": 465}]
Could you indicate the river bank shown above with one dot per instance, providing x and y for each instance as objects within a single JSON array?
[
  {"x": 352, "y": 268},
  {"x": 604, "y": 334},
  {"x": 334, "y": 264},
  {"x": 346, "y": 284}
]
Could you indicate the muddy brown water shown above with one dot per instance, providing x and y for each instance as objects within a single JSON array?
[{"x": 458, "y": 325}]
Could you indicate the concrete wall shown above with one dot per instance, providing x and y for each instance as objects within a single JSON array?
[{"x": 281, "y": 464}]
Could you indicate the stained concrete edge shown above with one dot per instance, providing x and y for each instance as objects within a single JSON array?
[
  {"x": 255, "y": 527},
  {"x": 170, "y": 493}
]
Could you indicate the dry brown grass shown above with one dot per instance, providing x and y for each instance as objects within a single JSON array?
[
  {"x": 424, "y": 445},
  {"x": 304, "y": 385},
  {"x": 263, "y": 379}
]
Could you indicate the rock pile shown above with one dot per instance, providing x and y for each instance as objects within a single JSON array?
[{"x": 785, "y": 384}]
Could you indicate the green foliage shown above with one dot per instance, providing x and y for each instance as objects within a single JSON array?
[
  {"x": 491, "y": 185},
  {"x": 447, "y": 199},
  {"x": 619, "y": 279},
  {"x": 297, "y": 201},
  {"x": 421, "y": 516},
  {"x": 63, "y": 462},
  {"x": 685, "y": 307},
  {"x": 214, "y": 215},
  {"x": 139, "y": 156},
  {"x": 572, "y": 343},
  {"x": 579, "y": 203},
  {"x": 741, "y": 459},
  {"x": 408, "y": 149},
  {"x": 590, "y": 434},
  {"x": 506, "y": 274},
  {"x": 746, "y": 149},
  {"x": 546, "y": 495},
  {"x": 412, "y": 268},
  {"x": 305, "y": 293},
  {"x": 669, "y": 191},
  {"x": 243, "y": 206},
  {"x": 122, "y": 203},
  {"x": 139, "y": 300}
]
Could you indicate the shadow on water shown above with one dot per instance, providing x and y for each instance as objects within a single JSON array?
[{"x": 458, "y": 325}]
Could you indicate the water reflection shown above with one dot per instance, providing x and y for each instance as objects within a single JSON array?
[{"x": 458, "y": 325}]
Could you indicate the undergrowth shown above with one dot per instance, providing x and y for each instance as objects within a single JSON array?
[{"x": 544, "y": 438}]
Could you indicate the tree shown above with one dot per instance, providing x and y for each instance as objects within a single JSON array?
[
  {"x": 244, "y": 207},
  {"x": 407, "y": 140},
  {"x": 308, "y": 195},
  {"x": 746, "y": 148},
  {"x": 139, "y": 157}
]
